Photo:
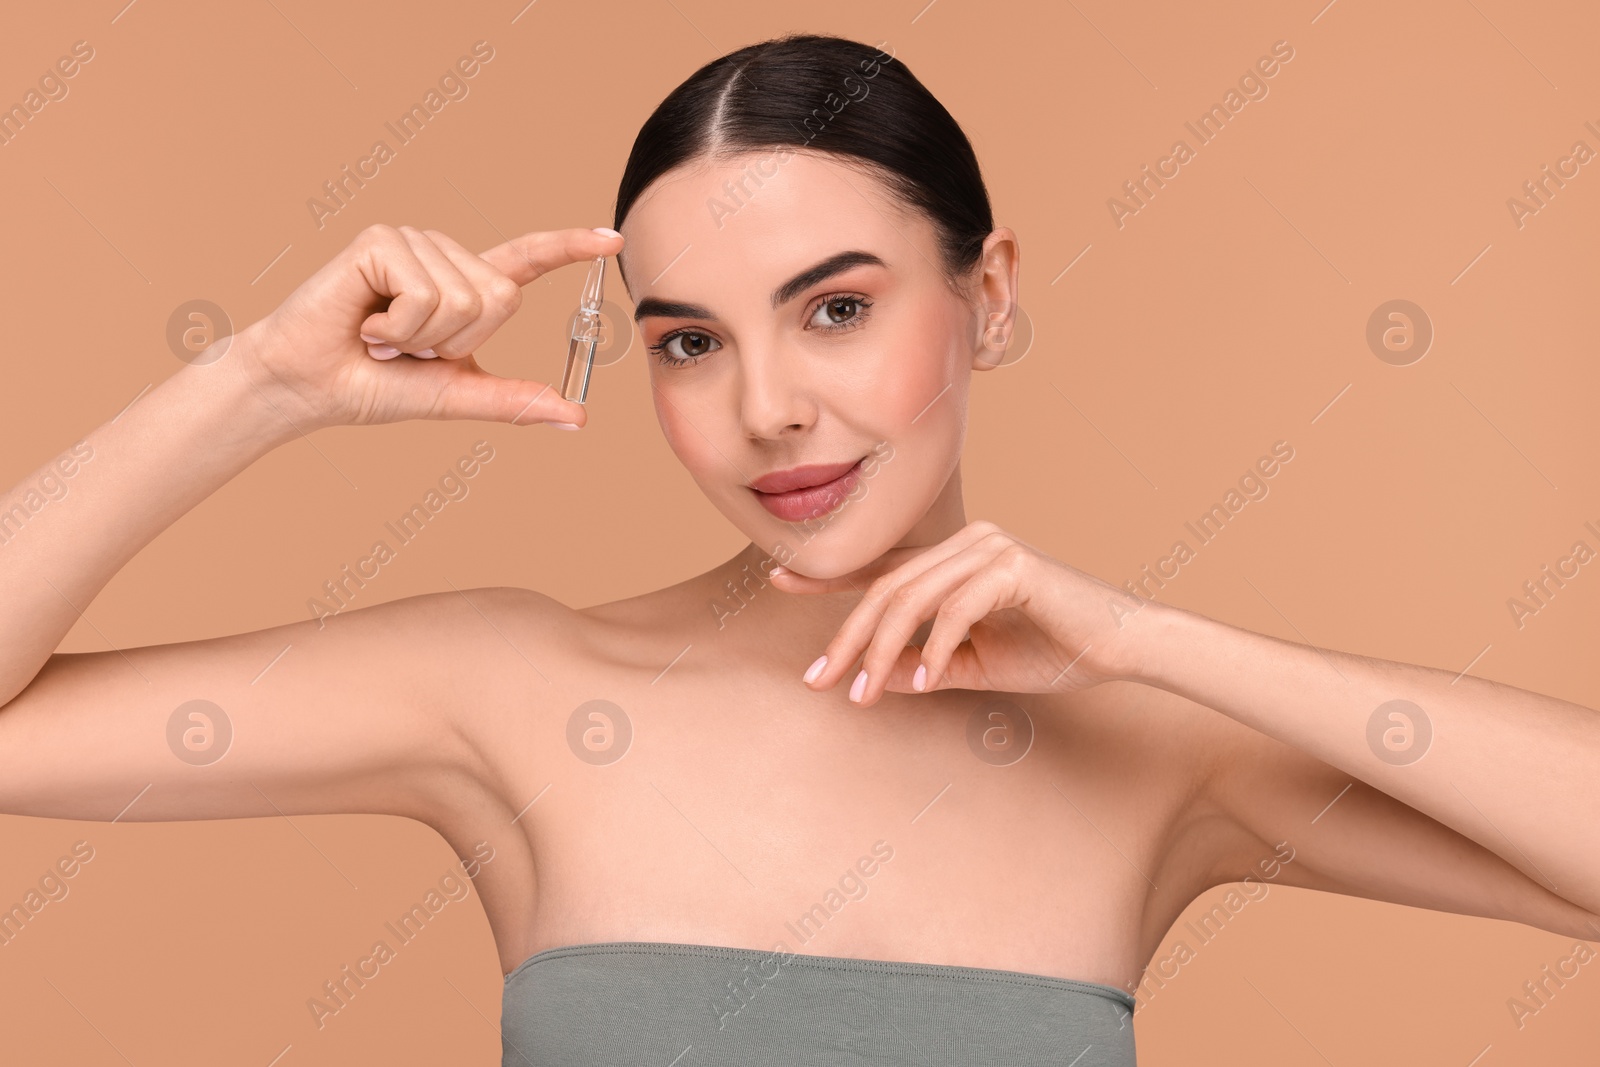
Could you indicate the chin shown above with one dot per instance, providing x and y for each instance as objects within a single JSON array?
[{"x": 826, "y": 548}]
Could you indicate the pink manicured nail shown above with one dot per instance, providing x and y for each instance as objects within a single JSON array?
[
  {"x": 371, "y": 340},
  {"x": 858, "y": 687},
  {"x": 565, "y": 425},
  {"x": 774, "y": 572},
  {"x": 919, "y": 679},
  {"x": 382, "y": 351},
  {"x": 816, "y": 669},
  {"x": 426, "y": 353},
  {"x": 606, "y": 231}
]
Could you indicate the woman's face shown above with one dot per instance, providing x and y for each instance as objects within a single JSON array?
[{"x": 795, "y": 315}]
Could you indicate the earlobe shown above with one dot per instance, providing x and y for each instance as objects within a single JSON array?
[
  {"x": 991, "y": 354},
  {"x": 995, "y": 335}
]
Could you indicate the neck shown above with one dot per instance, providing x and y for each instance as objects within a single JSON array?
[{"x": 941, "y": 521}]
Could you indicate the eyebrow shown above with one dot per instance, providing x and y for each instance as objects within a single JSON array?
[{"x": 837, "y": 263}]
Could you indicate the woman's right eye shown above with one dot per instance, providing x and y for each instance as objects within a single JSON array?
[{"x": 694, "y": 346}]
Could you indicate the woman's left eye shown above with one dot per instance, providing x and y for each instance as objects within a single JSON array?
[{"x": 840, "y": 312}]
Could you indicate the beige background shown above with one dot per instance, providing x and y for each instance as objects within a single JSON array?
[{"x": 1223, "y": 317}]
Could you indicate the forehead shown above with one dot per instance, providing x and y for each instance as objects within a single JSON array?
[{"x": 740, "y": 226}]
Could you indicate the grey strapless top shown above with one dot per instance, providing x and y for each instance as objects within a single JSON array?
[{"x": 650, "y": 1004}]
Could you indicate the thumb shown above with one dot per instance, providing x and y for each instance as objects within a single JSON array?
[{"x": 470, "y": 392}]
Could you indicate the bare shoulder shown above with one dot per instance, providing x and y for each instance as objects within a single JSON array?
[
  {"x": 507, "y": 643},
  {"x": 520, "y": 661},
  {"x": 518, "y": 634}
]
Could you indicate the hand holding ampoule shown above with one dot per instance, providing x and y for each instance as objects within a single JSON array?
[{"x": 331, "y": 353}]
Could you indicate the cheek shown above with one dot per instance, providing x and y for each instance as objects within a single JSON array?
[
  {"x": 703, "y": 462},
  {"x": 920, "y": 400},
  {"x": 677, "y": 430},
  {"x": 923, "y": 383}
]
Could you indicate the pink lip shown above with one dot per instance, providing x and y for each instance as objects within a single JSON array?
[{"x": 804, "y": 492}]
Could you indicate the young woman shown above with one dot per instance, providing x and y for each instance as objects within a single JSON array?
[{"x": 888, "y": 786}]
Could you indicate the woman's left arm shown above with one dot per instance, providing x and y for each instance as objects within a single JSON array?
[{"x": 1514, "y": 771}]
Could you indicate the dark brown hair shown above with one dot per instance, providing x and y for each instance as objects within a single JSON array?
[{"x": 827, "y": 94}]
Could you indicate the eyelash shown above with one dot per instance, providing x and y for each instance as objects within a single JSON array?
[{"x": 861, "y": 315}]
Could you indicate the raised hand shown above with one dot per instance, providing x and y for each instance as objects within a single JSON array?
[{"x": 386, "y": 330}]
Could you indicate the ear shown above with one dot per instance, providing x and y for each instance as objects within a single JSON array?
[{"x": 995, "y": 314}]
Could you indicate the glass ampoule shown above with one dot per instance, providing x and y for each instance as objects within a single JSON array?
[{"x": 585, "y": 335}]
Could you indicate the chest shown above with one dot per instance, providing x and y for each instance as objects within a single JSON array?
[{"x": 975, "y": 828}]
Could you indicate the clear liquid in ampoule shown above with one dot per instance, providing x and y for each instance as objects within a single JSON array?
[
  {"x": 580, "y": 361},
  {"x": 584, "y": 335}
]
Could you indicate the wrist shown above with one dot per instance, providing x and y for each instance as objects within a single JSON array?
[
  {"x": 258, "y": 412},
  {"x": 1158, "y": 635}
]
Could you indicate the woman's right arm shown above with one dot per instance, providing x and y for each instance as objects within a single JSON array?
[{"x": 322, "y": 714}]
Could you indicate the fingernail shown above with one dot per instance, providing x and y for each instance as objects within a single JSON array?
[
  {"x": 371, "y": 340},
  {"x": 606, "y": 231},
  {"x": 919, "y": 679},
  {"x": 816, "y": 669},
  {"x": 774, "y": 572},
  {"x": 564, "y": 425},
  {"x": 381, "y": 351},
  {"x": 426, "y": 353},
  {"x": 858, "y": 687}
]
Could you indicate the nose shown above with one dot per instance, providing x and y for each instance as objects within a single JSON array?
[{"x": 775, "y": 397}]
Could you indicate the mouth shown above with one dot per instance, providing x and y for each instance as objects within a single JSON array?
[{"x": 801, "y": 493}]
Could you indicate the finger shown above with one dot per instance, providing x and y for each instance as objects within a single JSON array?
[
  {"x": 898, "y": 677},
  {"x": 464, "y": 390},
  {"x": 390, "y": 267},
  {"x": 963, "y": 671},
  {"x": 526, "y": 258},
  {"x": 458, "y": 302},
  {"x": 995, "y": 588},
  {"x": 937, "y": 594},
  {"x": 887, "y": 616},
  {"x": 498, "y": 295}
]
